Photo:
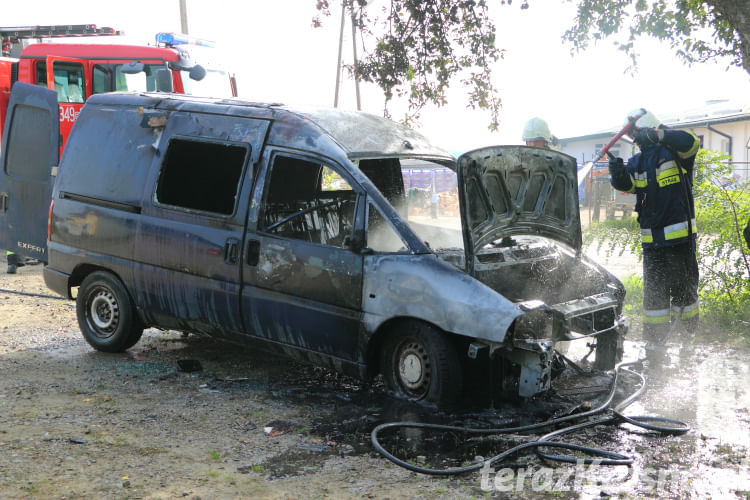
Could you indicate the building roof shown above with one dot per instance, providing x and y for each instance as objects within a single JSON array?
[{"x": 713, "y": 112}]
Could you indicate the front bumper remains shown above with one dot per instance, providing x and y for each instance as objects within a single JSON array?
[{"x": 533, "y": 345}]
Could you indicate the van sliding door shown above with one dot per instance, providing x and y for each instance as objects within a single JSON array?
[{"x": 187, "y": 248}]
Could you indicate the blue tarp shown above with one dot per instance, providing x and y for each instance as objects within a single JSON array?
[{"x": 422, "y": 178}]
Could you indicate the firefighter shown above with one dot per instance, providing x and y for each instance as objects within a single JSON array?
[
  {"x": 536, "y": 134},
  {"x": 14, "y": 262},
  {"x": 661, "y": 176}
]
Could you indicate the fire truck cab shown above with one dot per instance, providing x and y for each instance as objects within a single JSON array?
[
  {"x": 76, "y": 71},
  {"x": 73, "y": 72}
]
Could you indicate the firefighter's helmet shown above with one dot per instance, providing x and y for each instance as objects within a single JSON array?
[
  {"x": 536, "y": 129},
  {"x": 643, "y": 119}
]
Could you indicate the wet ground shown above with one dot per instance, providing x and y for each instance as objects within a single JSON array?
[{"x": 77, "y": 423}]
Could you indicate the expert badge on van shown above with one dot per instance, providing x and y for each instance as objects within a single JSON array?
[{"x": 292, "y": 229}]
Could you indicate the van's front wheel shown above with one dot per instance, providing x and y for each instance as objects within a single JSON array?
[
  {"x": 419, "y": 363},
  {"x": 106, "y": 314}
]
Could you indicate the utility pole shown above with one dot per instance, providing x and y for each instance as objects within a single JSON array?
[
  {"x": 354, "y": 50},
  {"x": 183, "y": 16},
  {"x": 338, "y": 63}
]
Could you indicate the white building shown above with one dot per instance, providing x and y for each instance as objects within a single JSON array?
[{"x": 720, "y": 125}]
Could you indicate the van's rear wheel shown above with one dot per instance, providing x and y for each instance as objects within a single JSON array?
[
  {"x": 419, "y": 363},
  {"x": 106, "y": 314}
]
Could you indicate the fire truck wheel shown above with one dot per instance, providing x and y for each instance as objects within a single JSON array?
[{"x": 106, "y": 314}]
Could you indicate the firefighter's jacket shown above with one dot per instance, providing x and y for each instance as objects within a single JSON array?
[{"x": 664, "y": 202}]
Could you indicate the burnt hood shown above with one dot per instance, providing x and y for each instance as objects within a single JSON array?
[{"x": 518, "y": 190}]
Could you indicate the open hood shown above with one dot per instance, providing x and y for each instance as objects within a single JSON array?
[{"x": 515, "y": 190}]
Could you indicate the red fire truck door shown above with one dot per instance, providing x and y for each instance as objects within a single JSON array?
[{"x": 67, "y": 77}]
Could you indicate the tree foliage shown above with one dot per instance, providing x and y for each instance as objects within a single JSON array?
[
  {"x": 414, "y": 49},
  {"x": 722, "y": 207},
  {"x": 420, "y": 47},
  {"x": 698, "y": 30}
]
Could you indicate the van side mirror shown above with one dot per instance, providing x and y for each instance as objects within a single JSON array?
[
  {"x": 132, "y": 68},
  {"x": 164, "y": 80}
]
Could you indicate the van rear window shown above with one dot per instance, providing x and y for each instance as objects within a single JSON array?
[
  {"x": 23, "y": 161},
  {"x": 201, "y": 175}
]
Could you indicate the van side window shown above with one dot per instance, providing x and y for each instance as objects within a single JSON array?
[
  {"x": 308, "y": 201},
  {"x": 199, "y": 175}
]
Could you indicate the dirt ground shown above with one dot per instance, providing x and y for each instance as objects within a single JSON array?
[{"x": 76, "y": 423}]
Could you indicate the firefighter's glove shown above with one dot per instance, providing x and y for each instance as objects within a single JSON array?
[
  {"x": 616, "y": 165},
  {"x": 648, "y": 136}
]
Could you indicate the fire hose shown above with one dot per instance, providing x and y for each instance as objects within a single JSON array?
[
  {"x": 615, "y": 416},
  {"x": 584, "y": 171}
]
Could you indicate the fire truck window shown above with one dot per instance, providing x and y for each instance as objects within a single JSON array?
[
  {"x": 109, "y": 78},
  {"x": 101, "y": 79},
  {"x": 145, "y": 81},
  {"x": 68, "y": 82},
  {"x": 202, "y": 176},
  {"x": 41, "y": 73}
]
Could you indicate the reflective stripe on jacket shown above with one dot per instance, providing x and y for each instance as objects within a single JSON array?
[{"x": 654, "y": 176}]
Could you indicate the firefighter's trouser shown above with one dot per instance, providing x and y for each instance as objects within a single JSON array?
[
  {"x": 13, "y": 259},
  {"x": 670, "y": 290}
]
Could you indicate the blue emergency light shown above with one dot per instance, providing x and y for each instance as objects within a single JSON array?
[{"x": 173, "y": 40}]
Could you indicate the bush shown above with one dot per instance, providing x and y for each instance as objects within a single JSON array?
[
  {"x": 722, "y": 208},
  {"x": 633, "y": 295}
]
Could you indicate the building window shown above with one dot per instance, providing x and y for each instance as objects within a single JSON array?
[{"x": 725, "y": 147}]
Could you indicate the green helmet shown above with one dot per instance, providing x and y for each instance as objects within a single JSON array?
[{"x": 536, "y": 129}]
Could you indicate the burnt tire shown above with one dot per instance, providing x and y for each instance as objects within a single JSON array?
[
  {"x": 419, "y": 363},
  {"x": 106, "y": 313}
]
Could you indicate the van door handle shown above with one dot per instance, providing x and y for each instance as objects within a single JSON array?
[
  {"x": 3, "y": 202},
  {"x": 253, "y": 252},
  {"x": 231, "y": 250}
]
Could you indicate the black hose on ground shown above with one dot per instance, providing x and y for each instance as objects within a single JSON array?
[
  {"x": 608, "y": 457},
  {"x": 29, "y": 294}
]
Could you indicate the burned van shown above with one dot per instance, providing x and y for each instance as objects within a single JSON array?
[{"x": 292, "y": 229}]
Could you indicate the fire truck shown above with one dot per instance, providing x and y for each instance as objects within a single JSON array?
[
  {"x": 74, "y": 67},
  {"x": 75, "y": 71}
]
